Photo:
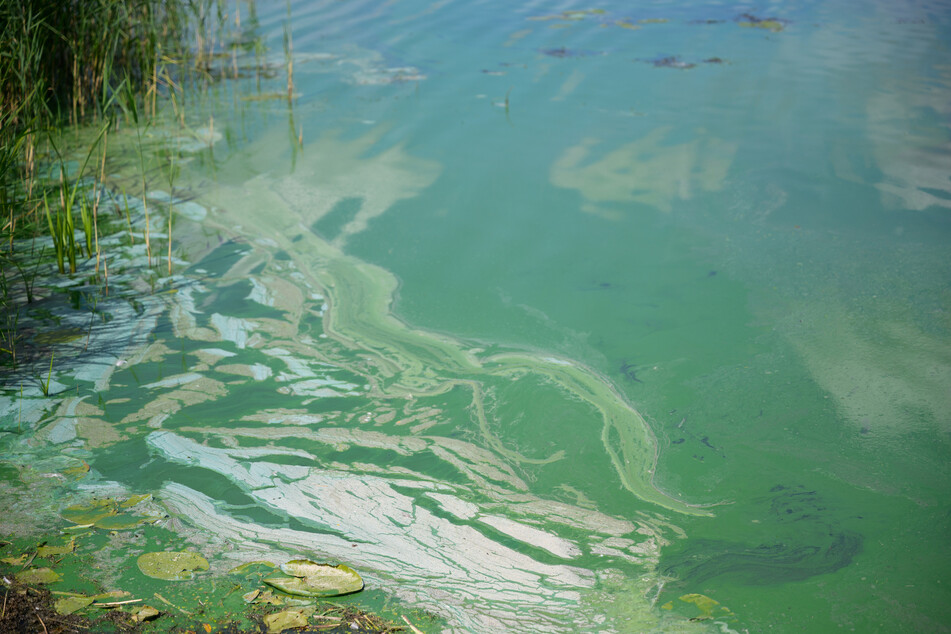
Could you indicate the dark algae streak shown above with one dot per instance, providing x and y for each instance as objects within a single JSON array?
[{"x": 800, "y": 540}]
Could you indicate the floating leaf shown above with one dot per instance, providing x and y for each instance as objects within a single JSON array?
[
  {"x": 260, "y": 566},
  {"x": 121, "y": 522},
  {"x": 281, "y": 621},
  {"x": 136, "y": 499},
  {"x": 70, "y": 604},
  {"x": 89, "y": 513},
  {"x": 52, "y": 551},
  {"x": 16, "y": 561},
  {"x": 105, "y": 514},
  {"x": 171, "y": 566},
  {"x": 78, "y": 528},
  {"x": 38, "y": 575},
  {"x": 704, "y": 603},
  {"x": 145, "y": 613},
  {"x": 309, "y": 579},
  {"x": 251, "y": 596}
]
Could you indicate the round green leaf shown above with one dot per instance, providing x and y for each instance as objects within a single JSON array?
[
  {"x": 171, "y": 566},
  {"x": 309, "y": 579}
]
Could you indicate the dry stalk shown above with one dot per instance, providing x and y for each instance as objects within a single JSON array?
[{"x": 411, "y": 626}]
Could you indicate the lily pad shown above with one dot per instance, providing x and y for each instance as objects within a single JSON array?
[
  {"x": 171, "y": 566},
  {"x": 70, "y": 604},
  {"x": 16, "y": 561},
  {"x": 38, "y": 575},
  {"x": 121, "y": 522},
  {"x": 89, "y": 513},
  {"x": 136, "y": 499},
  {"x": 105, "y": 513},
  {"x": 51, "y": 551},
  {"x": 260, "y": 566},
  {"x": 306, "y": 578},
  {"x": 287, "y": 619}
]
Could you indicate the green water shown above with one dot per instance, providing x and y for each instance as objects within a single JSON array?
[{"x": 541, "y": 332}]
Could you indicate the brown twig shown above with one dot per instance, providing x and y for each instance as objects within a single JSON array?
[{"x": 46, "y": 631}]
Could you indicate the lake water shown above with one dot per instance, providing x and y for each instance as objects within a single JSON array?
[{"x": 565, "y": 317}]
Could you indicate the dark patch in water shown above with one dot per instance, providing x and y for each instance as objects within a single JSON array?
[
  {"x": 795, "y": 504},
  {"x": 766, "y": 564},
  {"x": 937, "y": 193},
  {"x": 567, "y": 52},
  {"x": 671, "y": 62},
  {"x": 220, "y": 261},
  {"x": 330, "y": 224},
  {"x": 674, "y": 61},
  {"x": 629, "y": 370},
  {"x": 771, "y": 24},
  {"x": 599, "y": 286},
  {"x": 814, "y": 547},
  {"x": 236, "y": 297}
]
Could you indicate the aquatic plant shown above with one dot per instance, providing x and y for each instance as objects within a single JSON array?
[
  {"x": 86, "y": 64},
  {"x": 49, "y": 377},
  {"x": 63, "y": 230},
  {"x": 68, "y": 62}
]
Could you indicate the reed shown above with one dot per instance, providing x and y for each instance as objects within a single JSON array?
[
  {"x": 84, "y": 64},
  {"x": 64, "y": 228},
  {"x": 67, "y": 61},
  {"x": 289, "y": 58}
]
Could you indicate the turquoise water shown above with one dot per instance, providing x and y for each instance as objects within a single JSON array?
[{"x": 572, "y": 317}]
